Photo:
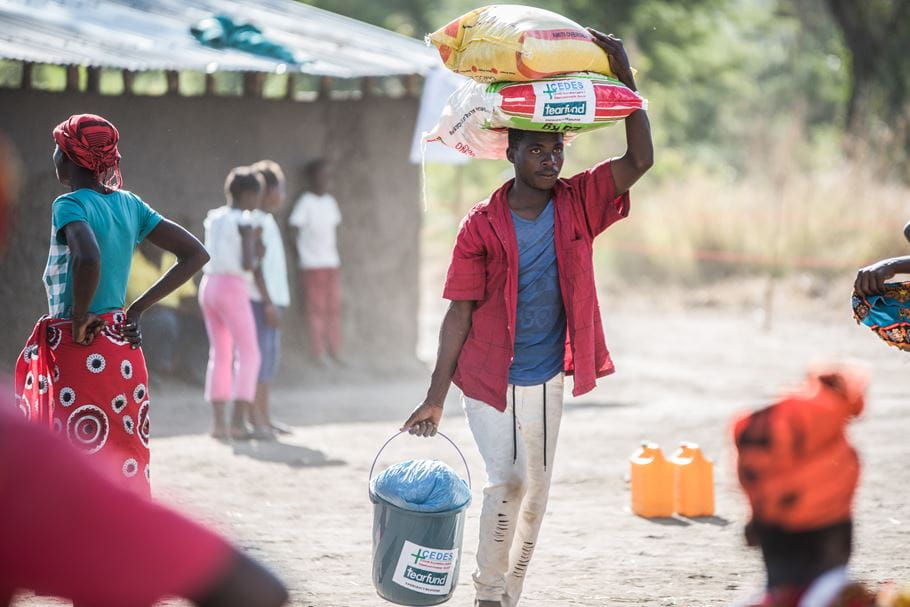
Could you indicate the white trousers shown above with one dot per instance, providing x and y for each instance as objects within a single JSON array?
[{"x": 517, "y": 446}]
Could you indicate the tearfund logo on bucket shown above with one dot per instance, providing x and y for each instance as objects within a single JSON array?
[{"x": 425, "y": 570}]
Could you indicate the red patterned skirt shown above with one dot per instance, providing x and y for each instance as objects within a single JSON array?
[{"x": 96, "y": 396}]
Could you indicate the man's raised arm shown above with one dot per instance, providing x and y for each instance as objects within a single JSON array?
[{"x": 639, "y": 156}]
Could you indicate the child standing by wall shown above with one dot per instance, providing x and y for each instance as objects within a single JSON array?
[
  {"x": 271, "y": 295},
  {"x": 314, "y": 223},
  {"x": 224, "y": 297}
]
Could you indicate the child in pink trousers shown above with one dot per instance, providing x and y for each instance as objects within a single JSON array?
[{"x": 234, "y": 357}]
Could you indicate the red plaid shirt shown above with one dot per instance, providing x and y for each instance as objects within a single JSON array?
[{"x": 484, "y": 269}]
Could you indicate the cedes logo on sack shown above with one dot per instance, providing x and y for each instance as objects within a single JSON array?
[{"x": 562, "y": 86}]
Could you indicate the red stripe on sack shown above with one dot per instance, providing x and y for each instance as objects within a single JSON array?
[
  {"x": 526, "y": 71},
  {"x": 451, "y": 30},
  {"x": 611, "y": 100},
  {"x": 518, "y": 98}
]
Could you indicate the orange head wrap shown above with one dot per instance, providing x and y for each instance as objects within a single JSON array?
[{"x": 794, "y": 461}]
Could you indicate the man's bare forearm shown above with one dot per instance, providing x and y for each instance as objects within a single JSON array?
[
  {"x": 640, "y": 148},
  {"x": 452, "y": 335}
]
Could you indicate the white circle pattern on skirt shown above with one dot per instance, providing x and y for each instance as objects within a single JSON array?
[
  {"x": 118, "y": 404},
  {"x": 143, "y": 423},
  {"x": 95, "y": 363},
  {"x": 130, "y": 468},
  {"x": 87, "y": 428},
  {"x": 67, "y": 397}
]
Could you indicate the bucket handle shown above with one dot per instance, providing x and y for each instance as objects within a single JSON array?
[{"x": 397, "y": 434}]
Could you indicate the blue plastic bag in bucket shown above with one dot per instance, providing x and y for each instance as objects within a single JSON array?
[{"x": 418, "y": 523}]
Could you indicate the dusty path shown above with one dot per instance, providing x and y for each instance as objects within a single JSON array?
[{"x": 301, "y": 505}]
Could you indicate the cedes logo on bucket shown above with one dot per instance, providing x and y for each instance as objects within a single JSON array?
[
  {"x": 425, "y": 570},
  {"x": 423, "y": 553}
]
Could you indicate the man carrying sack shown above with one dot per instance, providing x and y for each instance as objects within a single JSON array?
[{"x": 524, "y": 313}]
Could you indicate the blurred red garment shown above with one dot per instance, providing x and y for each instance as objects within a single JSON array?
[{"x": 68, "y": 530}]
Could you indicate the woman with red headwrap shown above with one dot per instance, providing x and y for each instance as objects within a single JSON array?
[{"x": 81, "y": 372}]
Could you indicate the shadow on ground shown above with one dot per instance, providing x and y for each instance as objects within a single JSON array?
[
  {"x": 179, "y": 409},
  {"x": 667, "y": 521},
  {"x": 717, "y": 521},
  {"x": 294, "y": 456}
]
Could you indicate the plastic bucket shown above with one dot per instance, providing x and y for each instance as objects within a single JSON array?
[{"x": 416, "y": 555}]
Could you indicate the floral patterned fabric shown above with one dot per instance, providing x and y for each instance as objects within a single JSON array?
[
  {"x": 888, "y": 314},
  {"x": 96, "y": 395}
]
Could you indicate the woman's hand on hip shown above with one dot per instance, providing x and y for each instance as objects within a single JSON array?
[
  {"x": 131, "y": 330},
  {"x": 86, "y": 328}
]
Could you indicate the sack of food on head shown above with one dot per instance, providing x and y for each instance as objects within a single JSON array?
[
  {"x": 477, "y": 116},
  {"x": 517, "y": 43}
]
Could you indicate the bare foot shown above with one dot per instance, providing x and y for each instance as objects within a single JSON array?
[
  {"x": 220, "y": 433},
  {"x": 263, "y": 433},
  {"x": 240, "y": 433},
  {"x": 280, "y": 428}
]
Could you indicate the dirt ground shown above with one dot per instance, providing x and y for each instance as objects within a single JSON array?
[{"x": 301, "y": 504}]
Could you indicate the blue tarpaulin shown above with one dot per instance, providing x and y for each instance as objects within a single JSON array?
[
  {"x": 223, "y": 32},
  {"x": 422, "y": 486}
]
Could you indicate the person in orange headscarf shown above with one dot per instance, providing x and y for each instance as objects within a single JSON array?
[{"x": 800, "y": 472}]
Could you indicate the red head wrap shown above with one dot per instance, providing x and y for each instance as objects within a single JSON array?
[
  {"x": 794, "y": 461},
  {"x": 90, "y": 141}
]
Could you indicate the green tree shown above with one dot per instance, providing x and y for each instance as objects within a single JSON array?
[
  {"x": 877, "y": 32},
  {"x": 718, "y": 73}
]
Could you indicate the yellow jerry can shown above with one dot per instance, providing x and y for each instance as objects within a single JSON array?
[
  {"x": 694, "y": 482},
  {"x": 652, "y": 482}
]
